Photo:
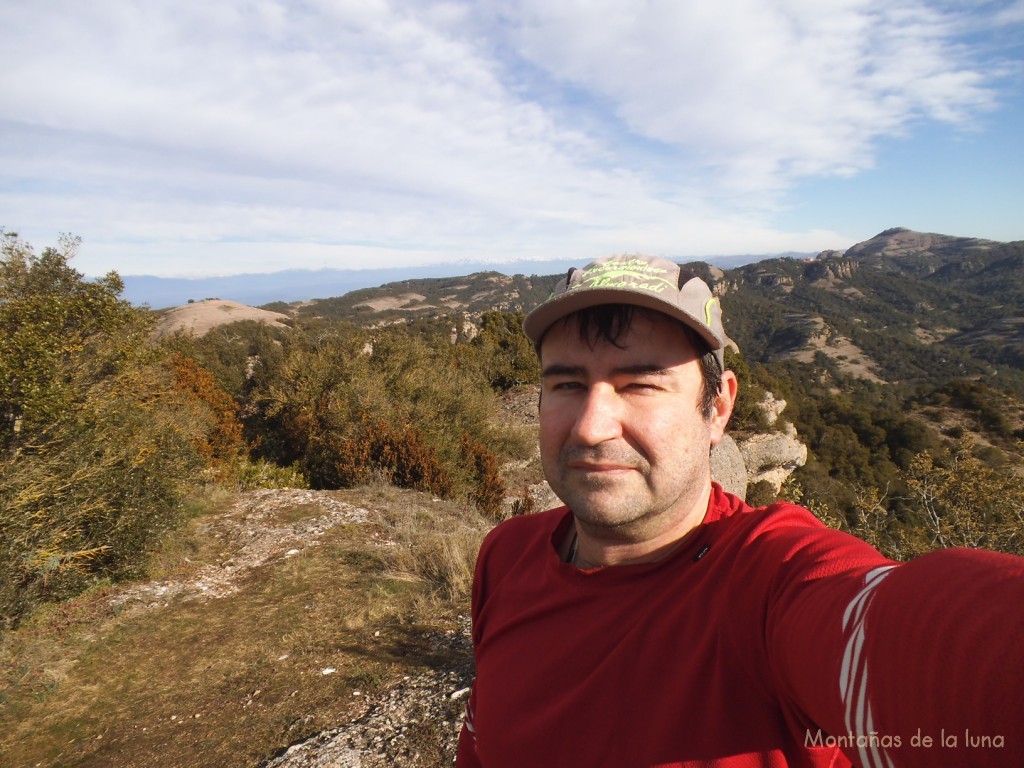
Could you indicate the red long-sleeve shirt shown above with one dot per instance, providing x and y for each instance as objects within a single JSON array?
[{"x": 765, "y": 640}]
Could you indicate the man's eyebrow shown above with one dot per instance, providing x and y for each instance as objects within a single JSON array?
[
  {"x": 640, "y": 369},
  {"x": 562, "y": 369}
]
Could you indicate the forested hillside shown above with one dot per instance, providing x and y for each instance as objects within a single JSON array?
[{"x": 898, "y": 357}]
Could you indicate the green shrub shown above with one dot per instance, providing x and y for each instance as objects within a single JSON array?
[
  {"x": 747, "y": 415},
  {"x": 261, "y": 473},
  {"x": 350, "y": 406},
  {"x": 503, "y": 352},
  {"x": 761, "y": 494},
  {"x": 91, "y": 496}
]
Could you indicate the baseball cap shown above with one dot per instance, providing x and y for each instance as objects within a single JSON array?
[{"x": 645, "y": 281}]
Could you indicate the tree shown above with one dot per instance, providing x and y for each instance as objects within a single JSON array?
[
  {"x": 58, "y": 333},
  {"x": 967, "y": 503},
  {"x": 504, "y": 352},
  {"x": 100, "y": 429}
]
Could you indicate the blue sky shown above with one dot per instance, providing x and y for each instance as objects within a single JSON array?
[{"x": 192, "y": 138}]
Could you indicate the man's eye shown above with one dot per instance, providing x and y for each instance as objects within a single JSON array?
[{"x": 566, "y": 385}]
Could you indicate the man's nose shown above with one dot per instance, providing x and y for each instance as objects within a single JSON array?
[{"x": 599, "y": 417}]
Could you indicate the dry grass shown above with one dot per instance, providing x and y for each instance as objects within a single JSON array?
[{"x": 234, "y": 680}]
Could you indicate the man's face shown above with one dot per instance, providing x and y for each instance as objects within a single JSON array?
[{"x": 622, "y": 441}]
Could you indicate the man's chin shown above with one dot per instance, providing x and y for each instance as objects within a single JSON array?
[{"x": 601, "y": 509}]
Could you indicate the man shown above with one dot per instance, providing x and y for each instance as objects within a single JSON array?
[{"x": 658, "y": 621}]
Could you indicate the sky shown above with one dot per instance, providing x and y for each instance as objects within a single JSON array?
[{"x": 191, "y": 138}]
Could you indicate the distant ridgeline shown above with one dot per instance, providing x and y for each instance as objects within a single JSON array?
[
  {"x": 913, "y": 307},
  {"x": 901, "y": 307}
]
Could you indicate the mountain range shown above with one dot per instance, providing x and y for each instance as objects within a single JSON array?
[
  {"x": 304, "y": 284},
  {"x": 901, "y": 306}
]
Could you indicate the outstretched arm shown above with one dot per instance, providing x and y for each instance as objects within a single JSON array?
[{"x": 921, "y": 665}]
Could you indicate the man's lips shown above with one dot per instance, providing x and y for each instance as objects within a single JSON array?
[{"x": 589, "y": 466}]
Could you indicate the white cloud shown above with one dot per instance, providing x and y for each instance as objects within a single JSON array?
[
  {"x": 761, "y": 92},
  {"x": 192, "y": 133}
]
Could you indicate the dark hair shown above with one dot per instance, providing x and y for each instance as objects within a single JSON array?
[{"x": 610, "y": 322}]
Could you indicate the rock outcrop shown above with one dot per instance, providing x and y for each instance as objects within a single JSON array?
[
  {"x": 769, "y": 457},
  {"x": 772, "y": 457},
  {"x": 391, "y": 732},
  {"x": 728, "y": 468}
]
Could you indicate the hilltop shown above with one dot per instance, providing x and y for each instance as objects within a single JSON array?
[
  {"x": 200, "y": 317},
  {"x": 902, "y": 306}
]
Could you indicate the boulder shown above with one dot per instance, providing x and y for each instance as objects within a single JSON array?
[
  {"x": 773, "y": 456},
  {"x": 727, "y": 467}
]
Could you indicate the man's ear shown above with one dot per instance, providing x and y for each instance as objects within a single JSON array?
[{"x": 723, "y": 405}]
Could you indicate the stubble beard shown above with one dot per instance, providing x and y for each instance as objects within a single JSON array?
[{"x": 629, "y": 507}]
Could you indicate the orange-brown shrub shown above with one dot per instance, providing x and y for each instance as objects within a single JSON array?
[
  {"x": 223, "y": 442},
  {"x": 488, "y": 491},
  {"x": 401, "y": 454}
]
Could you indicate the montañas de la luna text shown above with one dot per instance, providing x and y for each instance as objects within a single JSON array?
[{"x": 873, "y": 739}]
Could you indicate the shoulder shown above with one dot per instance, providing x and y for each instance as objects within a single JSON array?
[
  {"x": 520, "y": 545},
  {"x": 526, "y": 535},
  {"x": 785, "y": 538},
  {"x": 733, "y": 515}
]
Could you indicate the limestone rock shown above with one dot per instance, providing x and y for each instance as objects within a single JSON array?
[
  {"x": 771, "y": 407},
  {"x": 773, "y": 457},
  {"x": 727, "y": 467}
]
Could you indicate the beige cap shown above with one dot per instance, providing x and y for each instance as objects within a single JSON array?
[{"x": 646, "y": 281}]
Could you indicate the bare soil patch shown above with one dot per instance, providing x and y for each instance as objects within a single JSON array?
[
  {"x": 850, "y": 358},
  {"x": 393, "y": 302},
  {"x": 201, "y": 317}
]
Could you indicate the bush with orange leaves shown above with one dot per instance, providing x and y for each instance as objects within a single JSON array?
[{"x": 221, "y": 444}]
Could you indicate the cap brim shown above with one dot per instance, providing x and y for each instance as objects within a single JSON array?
[{"x": 543, "y": 317}]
